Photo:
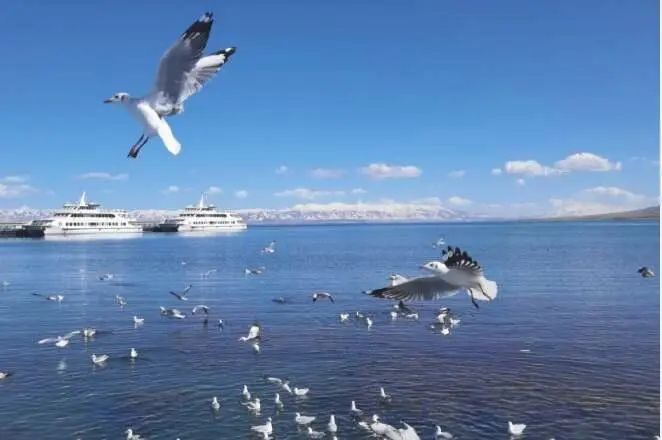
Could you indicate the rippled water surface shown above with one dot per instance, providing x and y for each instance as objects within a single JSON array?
[{"x": 568, "y": 292}]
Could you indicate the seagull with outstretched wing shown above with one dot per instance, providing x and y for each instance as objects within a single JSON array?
[
  {"x": 182, "y": 72},
  {"x": 182, "y": 295}
]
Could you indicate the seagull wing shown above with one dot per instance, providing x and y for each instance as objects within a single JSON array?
[
  {"x": 71, "y": 334},
  {"x": 175, "y": 294},
  {"x": 186, "y": 289},
  {"x": 423, "y": 288},
  {"x": 203, "y": 71},
  {"x": 48, "y": 341},
  {"x": 177, "y": 63},
  {"x": 460, "y": 260}
]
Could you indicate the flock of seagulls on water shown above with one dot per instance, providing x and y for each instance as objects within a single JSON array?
[{"x": 456, "y": 271}]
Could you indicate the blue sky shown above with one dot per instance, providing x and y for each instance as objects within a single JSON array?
[{"x": 386, "y": 98}]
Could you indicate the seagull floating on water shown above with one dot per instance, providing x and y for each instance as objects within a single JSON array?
[
  {"x": 344, "y": 317},
  {"x": 314, "y": 434},
  {"x": 130, "y": 435},
  {"x": 265, "y": 429},
  {"x": 646, "y": 272},
  {"x": 516, "y": 429},
  {"x": 182, "y": 295},
  {"x": 384, "y": 396},
  {"x": 215, "y": 404},
  {"x": 255, "y": 271},
  {"x": 57, "y": 297},
  {"x": 332, "y": 427},
  {"x": 279, "y": 300},
  {"x": 99, "y": 360},
  {"x": 133, "y": 354},
  {"x": 277, "y": 401},
  {"x": 322, "y": 295},
  {"x": 303, "y": 420},
  {"x": 5, "y": 374},
  {"x": 441, "y": 435},
  {"x": 355, "y": 411},
  {"x": 106, "y": 277},
  {"x": 253, "y": 333},
  {"x": 89, "y": 332},
  {"x": 300, "y": 392},
  {"x": 221, "y": 324},
  {"x": 120, "y": 300},
  {"x": 245, "y": 393},
  {"x": 138, "y": 321},
  {"x": 182, "y": 72},
  {"x": 253, "y": 406},
  {"x": 269, "y": 249}
]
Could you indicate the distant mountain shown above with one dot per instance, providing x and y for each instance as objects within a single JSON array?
[
  {"x": 305, "y": 213},
  {"x": 650, "y": 213}
]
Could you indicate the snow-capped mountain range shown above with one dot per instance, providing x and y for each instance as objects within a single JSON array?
[{"x": 385, "y": 211}]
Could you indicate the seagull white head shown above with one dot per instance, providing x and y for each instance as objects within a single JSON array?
[
  {"x": 435, "y": 267},
  {"x": 120, "y": 97},
  {"x": 375, "y": 418}
]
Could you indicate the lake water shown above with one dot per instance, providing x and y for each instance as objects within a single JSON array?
[{"x": 568, "y": 292}]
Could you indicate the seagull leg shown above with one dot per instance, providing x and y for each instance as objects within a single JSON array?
[
  {"x": 473, "y": 300},
  {"x": 135, "y": 149}
]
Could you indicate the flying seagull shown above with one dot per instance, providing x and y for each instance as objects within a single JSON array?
[
  {"x": 182, "y": 295},
  {"x": 322, "y": 295},
  {"x": 270, "y": 248},
  {"x": 646, "y": 272},
  {"x": 182, "y": 72},
  {"x": 460, "y": 269},
  {"x": 59, "y": 341},
  {"x": 202, "y": 307}
]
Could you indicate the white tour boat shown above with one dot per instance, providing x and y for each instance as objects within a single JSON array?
[
  {"x": 84, "y": 218},
  {"x": 203, "y": 218}
]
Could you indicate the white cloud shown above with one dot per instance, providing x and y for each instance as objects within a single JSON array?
[
  {"x": 587, "y": 162},
  {"x": 172, "y": 189},
  {"x": 281, "y": 169},
  {"x": 15, "y": 179},
  {"x": 241, "y": 194},
  {"x": 613, "y": 192},
  {"x": 9, "y": 191},
  {"x": 459, "y": 201},
  {"x": 457, "y": 174},
  {"x": 520, "y": 182},
  {"x": 358, "y": 191},
  {"x": 600, "y": 200},
  {"x": 326, "y": 173},
  {"x": 307, "y": 194},
  {"x": 528, "y": 168},
  {"x": 214, "y": 190},
  {"x": 102, "y": 175},
  {"x": 573, "y": 163},
  {"x": 383, "y": 171},
  {"x": 15, "y": 186}
]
